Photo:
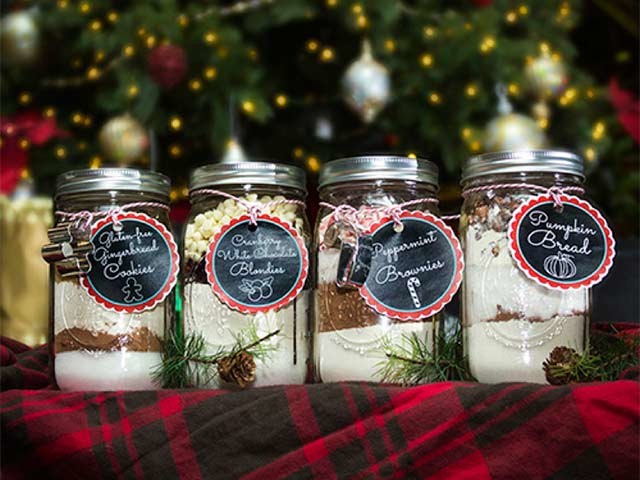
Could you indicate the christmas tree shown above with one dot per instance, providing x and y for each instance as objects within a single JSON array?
[{"x": 172, "y": 85}]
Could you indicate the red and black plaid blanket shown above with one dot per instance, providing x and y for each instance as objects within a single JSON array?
[{"x": 363, "y": 431}]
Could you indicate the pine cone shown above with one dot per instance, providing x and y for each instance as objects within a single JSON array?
[
  {"x": 557, "y": 367},
  {"x": 239, "y": 369}
]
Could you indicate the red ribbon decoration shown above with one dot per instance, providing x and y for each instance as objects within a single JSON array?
[{"x": 627, "y": 107}]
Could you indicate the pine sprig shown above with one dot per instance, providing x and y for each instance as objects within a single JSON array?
[
  {"x": 186, "y": 363},
  {"x": 413, "y": 360}
]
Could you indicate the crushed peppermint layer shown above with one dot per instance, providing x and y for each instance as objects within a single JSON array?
[{"x": 205, "y": 225}]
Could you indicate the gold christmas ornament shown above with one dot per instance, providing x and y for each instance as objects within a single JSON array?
[
  {"x": 546, "y": 76},
  {"x": 512, "y": 131},
  {"x": 123, "y": 139},
  {"x": 366, "y": 85},
  {"x": 20, "y": 38}
]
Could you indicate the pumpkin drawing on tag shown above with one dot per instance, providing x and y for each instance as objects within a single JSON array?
[{"x": 560, "y": 265}]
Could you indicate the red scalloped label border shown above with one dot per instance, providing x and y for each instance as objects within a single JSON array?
[
  {"x": 448, "y": 295},
  {"x": 173, "y": 274},
  {"x": 230, "y": 302},
  {"x": 529, "y": 271}
]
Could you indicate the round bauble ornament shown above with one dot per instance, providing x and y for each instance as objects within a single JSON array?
[
  {"x": 167, "y": 65},
  {"x": 123, "y": 139},
  {"x": 366, "y": 85},
  {"x": 546, "y": 76},
  {"x": 20, "y": 38}
]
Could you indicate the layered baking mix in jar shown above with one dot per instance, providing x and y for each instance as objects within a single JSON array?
[
  {"x": 245, "y": 269},
  {"x": 114, "y": 267},
  {"x": 532, "y": 247},
  {"x": 386, "y": 264}
]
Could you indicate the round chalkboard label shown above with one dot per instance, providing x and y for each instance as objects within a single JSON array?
[
  {"x": 415, "y": 270},
  {"x": 133, "y": 265},
  {"x": 561, "y": 248},
  {"x": 257, "y": 268}
]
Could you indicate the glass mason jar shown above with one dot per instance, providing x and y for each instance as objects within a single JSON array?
[
  {"x": 266, "y": 185},
  {"x": 349, "y": 335},
  {"x": 510, "y": 322},
  {"x": 92, "y": 347}
]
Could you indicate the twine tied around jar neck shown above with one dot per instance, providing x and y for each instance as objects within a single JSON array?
[
  {"x": 254, "y": 209},
  {"x": 71, "y": 239},
  {"x": 554, "y": 191}
]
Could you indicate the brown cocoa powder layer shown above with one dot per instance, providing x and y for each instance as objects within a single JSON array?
[
  {"x": 138, "y": 340},
  {"x": 342, "y": 308},
  {"x": 505, "y": 315}
]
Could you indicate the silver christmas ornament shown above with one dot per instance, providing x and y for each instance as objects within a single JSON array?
[
  {"x": 123, "y": 139},
  {"x": 512, "y": 131},
  {"x": 366, "y": 85},
  {"x": 547, "y": 77},
  {"x": 20, "y": 38}
]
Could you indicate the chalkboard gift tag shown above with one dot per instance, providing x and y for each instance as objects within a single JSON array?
[
  {"x": 257, "y": 268},
  {"x": 561, "y": 248},
  {"x": 134, "y": 263},
  {"x": 415, "y": 270}
]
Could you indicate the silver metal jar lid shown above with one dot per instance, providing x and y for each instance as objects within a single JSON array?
[
  {"x": 527, "y": 161},
  {"x": 105, "y": 179},
  {"x": 255, "y": 173},
  {"x": 378, "y": 167}
]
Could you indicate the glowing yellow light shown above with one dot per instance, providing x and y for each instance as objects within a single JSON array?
[
  {"x": 93, "y": 73},
  {"x": 543, "y": 123},
  {"x": 173, "y": 194},
  {"x": 100, "y": 55},
  {"x": 556, "y": 56},
  {"x": 223, "y": 52},
  {"x": 356, "y": 8},
  {"x": 327, "y": 54},
  {"x": 60, "y": 152},
  {"x": 429, "y": 31},
  {"x": 590, "y": 153},
  {"x": 25, "y": 174},
  {"x": 210, "y": 73},
  {"x": 471, "y": 90},
  {"x": 129, "y": 51},
  {"x": 84, "y": 7},
  {"x": 488, "y": 44},
  {"x": 312, "y": 45},
  {"x": 511, "y": 17},
  {"x": 77, "y": 118},
  {"x": 49, "y": 112},
  {"x": 24, "y": 98},
  {"x": 82, "y": 146},
  {"x": 544, "y": 47},
  {"x": 362, "y": 21},
  {"x": 599, "y": 129},
  {"x": 253, "y": 54},
  {"x": 331, "y": 3},
  {"x": 426, "y": 60},
  {"x": 87, "y": 121},
  {"x": 298, "y": 152},
  {"x": 195, "y": 84},
  {"x": 435, "y": 98},
  {"x": 175, "y": 150},
  {"x": 24, "y": 143},
  {"x": 183, "y": 20},
  {"x": 390, "y": 45},
  {"x": 513, "y": 89},
  {"x": 112, "y": 16},
  {"x": 569, "y": 96},
  {"x": 523, "y": 10},
  {"x": 465, "y": 133},
  {"x": 142, "y": 31},
  {"x": 62, "y": 4},
  {"x": 210, "y": 38},
  {"x": 564, "y": 10},
  {"x": 95, "y": 26},
  {"x": 133, "y": 90},
  {"x": 248, "y": 107},
  {"x": 475, "y": 146},
  {"x": 175, "y": 123},
  {"x": 95, "y": 162},
  {"x": 467, "y": 26},
  {"x": 281, "y": 100},
  {"x": 591, "y": 93},
  {"x": 151, "y": 41},
  {"x": 313, "y": 164},
  {"x": 412, "y": 155}
]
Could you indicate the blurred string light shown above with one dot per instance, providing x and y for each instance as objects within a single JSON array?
[
  {"x": 24, "y": 98},
  {"x": 209, "y": 73},
  {"x": 248, "y": 107},
  {"x": 133, "y": 90},
  {"x": 435, "y": 98},
  {"x": 112, "y": 16},
  {"x": 331, "y": 3},
  {"x": 183, "y": 20},
  {"x": 430, "y": 31},
  {"x": 412, "y": 155},
  {"x": 568, "y": 97},
  {"x": 327, "y": 55},
  {"x": 60, "y": 152},
  {"x": 471, "y": 90},
  {"x": 281, "y": 100},
  {"x": 95, "y": 162},
  {"x": 84, "y": 7},
  {"x": 313, "y": 163},
  {"x": 49, "y": 112},
  {"x": 210, "y": 38},
  {"x": 312, "y": 45},
  {"x": 297, "y": 152},
  {"x": 175, "y": 150},
  {"x": 487, "y": 45},
  {"x": 599, "y": 130},
  {"x": 426, "y": 60},
  {"x": 513, "y": 89},
  {"x": 390, "y": 45},
  {"x": 95, "y": 25},
  {"x": 195, "y": 84},
  {"x": 175, "y": 123},
  {"x": 128, "y": 50},
  {"x": 100, "y": 56}
]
